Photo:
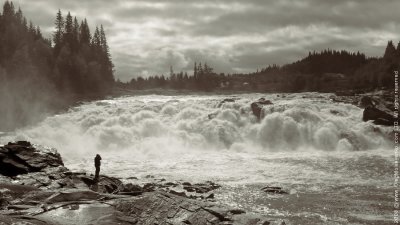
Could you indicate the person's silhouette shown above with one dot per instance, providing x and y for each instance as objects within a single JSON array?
[{"x": 97, "y": 164}]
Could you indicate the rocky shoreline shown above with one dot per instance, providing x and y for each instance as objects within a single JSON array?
[
  {"x": 379, "y": 106},
  {"x": 36, "y": 188}
]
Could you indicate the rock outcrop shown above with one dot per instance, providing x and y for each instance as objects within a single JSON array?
[
  {"x": 172, "y": 209},
  {"x": 378, "y": 106},
  {"x": 225, "y": 101},
  {"x": 40, "y": 190},
  {"x": 257, "y": 106},
  {"x": 379, "y": 116},
  {"x": 21, "y": 158},
  {"x": 377, "y": 109}
]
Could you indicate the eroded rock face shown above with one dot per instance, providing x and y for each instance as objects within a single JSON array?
[{"x": 21, "y": 158}]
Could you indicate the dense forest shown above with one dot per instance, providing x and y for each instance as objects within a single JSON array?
[
  {"x": 37, "y": 74},
  {"x": 328, "y": 70}
]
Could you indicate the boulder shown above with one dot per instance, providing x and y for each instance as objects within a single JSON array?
[
  {"x": 225, "y": 101},
  {"x": 274, "y": 190},
  {"x": 22, "y": 157},
  {"x": 379, "y": 116},
  {"x": 257, "y": 106}
]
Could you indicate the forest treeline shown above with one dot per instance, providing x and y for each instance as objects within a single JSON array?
[
  {"x": 37, "y": 74},
  {"x": 328, "y": 70}
]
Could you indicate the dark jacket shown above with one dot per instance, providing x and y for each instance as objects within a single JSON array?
[{"x": 97, "y": 160}]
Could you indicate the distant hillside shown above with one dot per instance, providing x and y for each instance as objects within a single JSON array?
[{"x": 324, "y": 71}]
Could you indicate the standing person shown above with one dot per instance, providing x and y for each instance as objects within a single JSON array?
[{"x": 97, "y": 164}]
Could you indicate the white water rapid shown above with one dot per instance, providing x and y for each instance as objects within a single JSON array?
[{"x": 337, "y": 168}]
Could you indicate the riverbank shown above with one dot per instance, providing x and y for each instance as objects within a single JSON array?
[{"x": 36, "y": 188}]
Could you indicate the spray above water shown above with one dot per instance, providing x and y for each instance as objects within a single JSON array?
[{"x": 159, "y": 125}]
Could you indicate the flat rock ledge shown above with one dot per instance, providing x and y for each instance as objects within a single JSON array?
[{"x": 36, "y": 189}]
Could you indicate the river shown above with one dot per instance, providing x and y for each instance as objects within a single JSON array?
[{"x": 336, "y": 168}]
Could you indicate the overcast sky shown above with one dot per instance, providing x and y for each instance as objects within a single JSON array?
[{"x": 147, "y": 36}]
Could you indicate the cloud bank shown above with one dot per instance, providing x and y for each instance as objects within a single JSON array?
[{"x": 146, "y": 37}]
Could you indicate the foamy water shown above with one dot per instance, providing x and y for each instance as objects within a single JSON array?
[{"x": 320, "y": 151}]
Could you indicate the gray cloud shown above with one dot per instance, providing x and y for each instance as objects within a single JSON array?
[{"x": 147, "y": 36}]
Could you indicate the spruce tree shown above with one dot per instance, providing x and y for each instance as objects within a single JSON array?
[
  {"x": 31, "y": 29},
  {"x": 8, "y": 12},
  {"x": 75, "y": 32},
  {"x": 398, "y": 49},
  {"x": 68, "y": 30},
  {"x": 85, "y": 36},
  {"x": 96, "y": 43},
  {"x": 19, "y": 16},
  {"x": 58, "y": 34},
  {"x": 103, "y": 41},
  {"x": 390, "y": 51}
]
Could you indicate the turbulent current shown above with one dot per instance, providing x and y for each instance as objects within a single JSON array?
[{"x": 337, "y": 168}]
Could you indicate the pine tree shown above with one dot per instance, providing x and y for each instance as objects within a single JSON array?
[
  {"x": 96, "y": 43},
  {"x": 31, "y": 29},
  {"x": 19, "y": 16},
  {"x": 105, "y": 49},
  {"x": 8, "y": 12},
  {"x": 58, "y": 34},
  {"x": 68, "y": 30},
  {"x": 195, "y": 70},
  {"x": 103, "y": 41},
  {"x": 38, "y": 33},
  {"x": 85, "y": 36},
  {"x": 75, "y": 36},
  {"x": 76, "y": 30},
  {"x": 25, "y": 24},
  {"x": 398, "y": 49},
  {"x": 390, "y": 51}
]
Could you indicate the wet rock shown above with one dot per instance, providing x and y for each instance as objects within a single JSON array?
[
  {"x": 21, "y": 158},
  {"x": 345, "y": 99},
  {"x": 5, "y": 198},
  {"x": 257, "y": 106},
  {"x": 72, "y": 195},
  {"x": 212, "y": 115},
  {"x": 366, "y": 101},
  {"x": 107, "y": 184},
  {"x": 179, "y": 193},
  {"x": 171, "y": 184},
  {"x": 201, "y": 188},
  {"x": 225, "y": 101},
  {"x": 10, "y": 220},
  {"x": 379, "y": 116},
  {"x": 131, "y": 187},
  {"x": 211, "y": 196},
  {"x": 274, "y": 190},
  {"x": 165, "y": 208},
  {"x": 48, "y": 193},
  {"x": 148, "y": 187},
  {"x": 236, "y": 211}
]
